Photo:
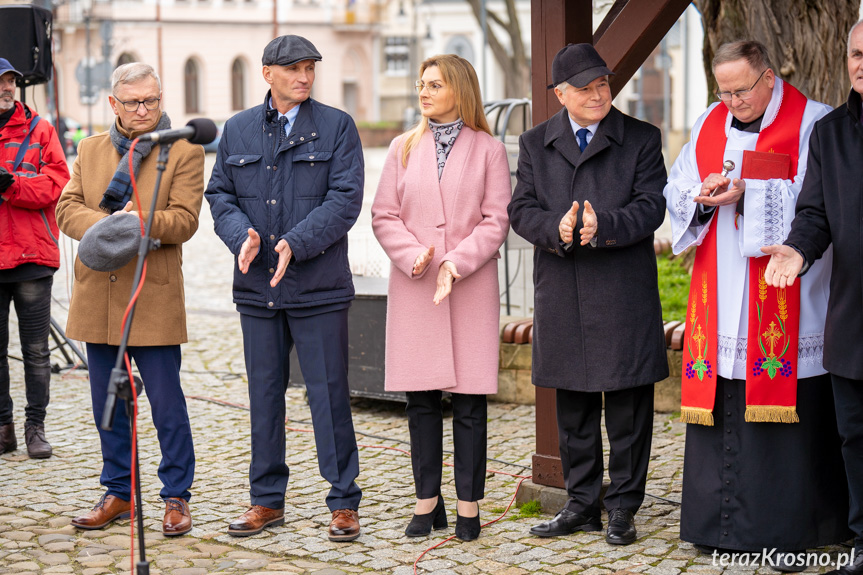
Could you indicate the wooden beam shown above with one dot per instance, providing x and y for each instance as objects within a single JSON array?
[
  {"x": 553, "y": 25},
  {"x": 630, "y": 32}
]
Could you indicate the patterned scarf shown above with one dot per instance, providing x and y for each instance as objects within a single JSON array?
[
  {"x": 120, "y": 189},
  {"x": 444, "y": 137}
]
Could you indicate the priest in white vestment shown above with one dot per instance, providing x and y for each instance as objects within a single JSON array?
[{"x": 760, "y": 470}]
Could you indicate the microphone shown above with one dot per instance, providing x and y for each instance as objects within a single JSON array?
[{"x": 197, "y": 131}]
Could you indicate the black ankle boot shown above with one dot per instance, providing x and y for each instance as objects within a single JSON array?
[
  {"x": 467, "y": 528},
  {"x": 421, "y": 525}
]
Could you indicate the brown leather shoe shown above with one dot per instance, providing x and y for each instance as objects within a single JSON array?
[
  {"x": 108, "y": 509},
  {"x": 8, "y": 442},
  {"x": 345, "y": 525},
  {"x": 255, "y": 519},
  {"x": 178, "y": 520},
  {"x": 37, "y": 446}
]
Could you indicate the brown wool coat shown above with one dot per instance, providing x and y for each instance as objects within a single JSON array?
[{"x": 99, "y": 299}]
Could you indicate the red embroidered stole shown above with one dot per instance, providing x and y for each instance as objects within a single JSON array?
[{"x": 774, "y": 314}]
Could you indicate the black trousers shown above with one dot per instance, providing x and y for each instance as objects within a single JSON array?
[
  {"x": 33, "y": 306},
  {"x": 848, "y": 394},
  {"x": 629, "y": 424},
  {"x": 469, "y": 433}
]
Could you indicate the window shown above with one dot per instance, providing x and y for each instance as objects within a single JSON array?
[
  {"x": 397, "y": 54},
  {"x": 192, "y": 86},
  {"x": 238, "y": 85}
]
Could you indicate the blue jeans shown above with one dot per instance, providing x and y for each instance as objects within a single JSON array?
[{"x": 33, "y": 307}]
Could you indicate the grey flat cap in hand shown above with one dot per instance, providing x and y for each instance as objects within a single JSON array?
[
  {"x": 111, "y": 242},
  {"x": 287, "y": 50}
]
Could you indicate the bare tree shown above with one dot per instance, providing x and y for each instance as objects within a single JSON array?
[
  {"x": 806, "y": 39},
  {"x": 512, "y": 59}
]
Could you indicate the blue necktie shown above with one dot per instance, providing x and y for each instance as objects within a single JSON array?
[
  {"x": 581, "y": 136},
  {"x": 283, "y": 133}
]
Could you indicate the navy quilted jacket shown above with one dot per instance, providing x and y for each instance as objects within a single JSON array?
[{"x": 307, "y": 191}]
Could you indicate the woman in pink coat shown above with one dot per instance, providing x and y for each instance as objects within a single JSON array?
[{"x": 440, "y": 215}]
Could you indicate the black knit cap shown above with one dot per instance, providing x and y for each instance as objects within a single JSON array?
[{"x": 289, "y": 49}]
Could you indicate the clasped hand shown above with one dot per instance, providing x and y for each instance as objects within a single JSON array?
[
  {"x": 567, "y": 224},
  {"x": 715, "y": 191},
  {"x": 249, "y": 251}
]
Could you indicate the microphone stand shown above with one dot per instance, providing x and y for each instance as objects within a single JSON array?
[{"x": 119, "y": 384}]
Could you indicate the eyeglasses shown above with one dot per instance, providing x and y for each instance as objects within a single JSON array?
[
  {"x": 133, "y": 105},
  {"x": 432, "y": 87},
  {"x": 739, "y": 94}
]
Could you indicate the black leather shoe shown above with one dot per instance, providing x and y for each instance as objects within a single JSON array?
[
  {"x": 621, "y": 527},
  {"x": 566, "y": 522},
  {"x": 790, "y": 562},
  {"x": 467, "y": 528},
  {"x": 421, "y": 525},
  {"x": 8, "y": 442},
  {"x": 856, "y": 568}
]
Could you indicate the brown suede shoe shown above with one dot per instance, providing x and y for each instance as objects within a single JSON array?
[
  {"x": 8, "y": 442},
  {"x": 108, "y": 509},
  {"x": 178, "y": 520},
  {"x": 345, "y": 525},
  {"x": 255, "y": 519},
  {"x": 37, "y": 446}
]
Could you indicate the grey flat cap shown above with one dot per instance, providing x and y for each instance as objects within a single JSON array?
[
  {"x": 578, "y": 65},
  {"x": 287, "y": 50},
  {"x": 111, "y": 242}
]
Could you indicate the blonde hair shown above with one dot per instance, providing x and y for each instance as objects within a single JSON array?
[{"x": 460, "y": 77}]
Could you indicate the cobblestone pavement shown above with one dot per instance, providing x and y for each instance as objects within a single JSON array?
[{"x": 39, "y": 498}]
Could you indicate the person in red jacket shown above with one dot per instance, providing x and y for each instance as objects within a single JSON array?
[{"x": 29, "y": 256}]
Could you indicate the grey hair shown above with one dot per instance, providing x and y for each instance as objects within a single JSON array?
[
  {"x": 851, "y": 31},
  {"x": 563, "y": 86},
  {"x": 133, "y": 72},
  {"x": 753, "y": 51}
]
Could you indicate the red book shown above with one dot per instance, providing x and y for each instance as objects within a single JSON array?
[{"x": 766, "y": 166}]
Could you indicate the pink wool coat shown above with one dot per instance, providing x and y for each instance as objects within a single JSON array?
[{"x": 452, "y": 346}]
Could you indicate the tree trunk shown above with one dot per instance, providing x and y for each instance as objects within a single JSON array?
[
  {"x": 806, "y": 40},
  {"x": 513, "y": 62}
]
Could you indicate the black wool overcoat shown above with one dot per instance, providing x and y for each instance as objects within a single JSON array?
[
  {"x": 830, "y": 211},
  {"x": 597, "y": 316}
]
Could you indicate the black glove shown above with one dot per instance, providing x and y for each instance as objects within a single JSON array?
[{"x": 6, "y": 180}]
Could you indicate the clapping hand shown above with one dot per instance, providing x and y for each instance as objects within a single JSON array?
[
  {"x": 588, "y": 218},
  {"x": 446, "y": 275},
  {"x": 423, "y": 260},
  {"x": 567, "y": 224}
]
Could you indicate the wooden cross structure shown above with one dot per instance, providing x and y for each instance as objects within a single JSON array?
[{"x": 625, "y": 38}]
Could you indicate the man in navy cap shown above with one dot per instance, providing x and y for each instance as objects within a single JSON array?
[
  {"x": 589, "y": 197},
  {"x": 32, "y": 176},
  {"x": 286, "y": 188}
]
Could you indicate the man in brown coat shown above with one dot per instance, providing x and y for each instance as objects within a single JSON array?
[{"x": 100, "y": 188}]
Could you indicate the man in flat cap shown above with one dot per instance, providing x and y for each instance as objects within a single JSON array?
[
  {"x": 101, "y": 189},
  {"x": 286, "y": 188},
  {"x": 589, "y": 197}
]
